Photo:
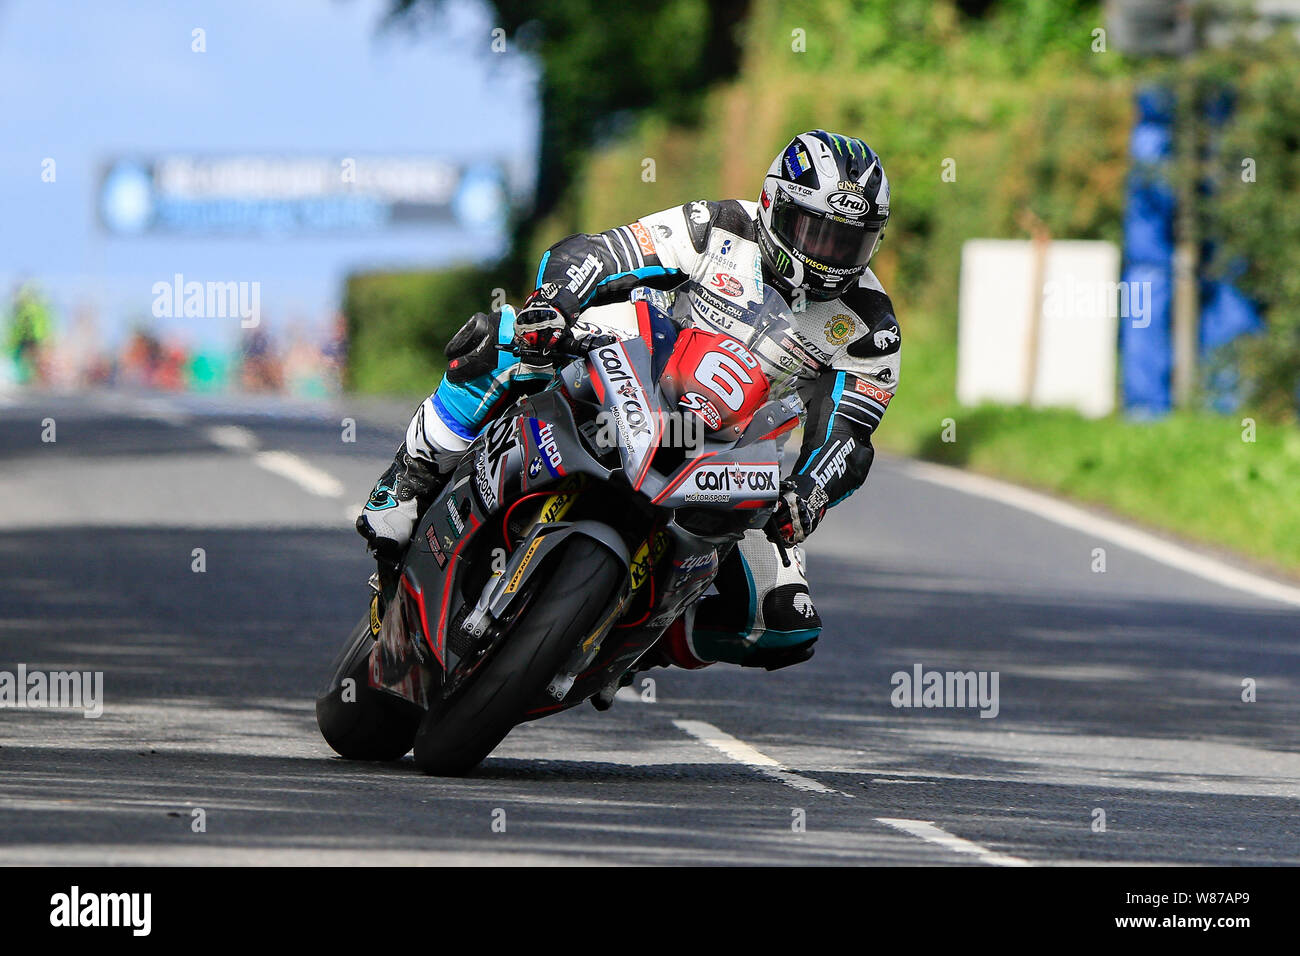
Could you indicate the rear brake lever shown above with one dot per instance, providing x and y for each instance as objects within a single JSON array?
[{"x": 388, "y": 573}]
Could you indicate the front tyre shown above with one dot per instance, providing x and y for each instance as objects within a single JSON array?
[
  {"x": 357, "y": 721},
  {"x": 458, "y": 733}
]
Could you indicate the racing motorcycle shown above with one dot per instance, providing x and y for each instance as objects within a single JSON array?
[{"x": 578, "y": 526}]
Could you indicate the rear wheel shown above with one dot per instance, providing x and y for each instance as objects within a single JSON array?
[
  {"x": 357, "y": 721},
  {"x": 458, "y": 733}
]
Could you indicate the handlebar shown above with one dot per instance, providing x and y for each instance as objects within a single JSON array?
[{"x": 567, "y": 347}]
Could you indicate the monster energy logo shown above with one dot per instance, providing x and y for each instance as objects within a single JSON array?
[{"x": 837, "y": 139}]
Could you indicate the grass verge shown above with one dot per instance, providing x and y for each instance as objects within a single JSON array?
[{"x": 1195, "y": 474}]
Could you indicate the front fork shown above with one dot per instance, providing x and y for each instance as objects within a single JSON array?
[{"x": 641, "y": 571}]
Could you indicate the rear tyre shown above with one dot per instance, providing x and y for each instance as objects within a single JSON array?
[
  {"x": 457, "y": 734},
  {"x": 374, "y": 725}
]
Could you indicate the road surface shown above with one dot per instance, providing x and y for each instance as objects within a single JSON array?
[{"x": 1121, "y": 735}]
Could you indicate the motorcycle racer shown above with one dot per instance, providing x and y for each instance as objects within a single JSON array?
[{"x": 819, "y": 218}]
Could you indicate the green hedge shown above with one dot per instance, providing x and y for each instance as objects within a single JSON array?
[
  {"x": 400, "y": 322},
  {"x": 1253, "y": 211},
  {"x": 1028, "y": 114},
  {"x": 1042, "y": 127}
]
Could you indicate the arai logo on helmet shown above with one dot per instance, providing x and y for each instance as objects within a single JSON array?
[{"x": 847, "y": 204}]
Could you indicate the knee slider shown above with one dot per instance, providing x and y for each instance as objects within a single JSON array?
[{"x": 774, "y": 658}]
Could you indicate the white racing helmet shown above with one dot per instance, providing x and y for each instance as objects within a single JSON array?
[{"x": 822, "y": 212}]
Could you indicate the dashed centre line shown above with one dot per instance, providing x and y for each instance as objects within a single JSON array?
[
  {"x": 742, "y": 752},
  {"x": 231, "y": 437},
  {"x": 283, "y": 463},
  {"x": 927, "y": 831},
  {"x": 288, "y": 465}
]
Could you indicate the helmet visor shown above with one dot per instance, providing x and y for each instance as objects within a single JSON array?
[{"x": 841, "y": 244}]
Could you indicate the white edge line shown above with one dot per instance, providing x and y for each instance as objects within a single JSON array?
[
  {"x": 927, "y": 831},
  {"x": 1069, "y": 516},
  {"x": 743, "y": 753}
]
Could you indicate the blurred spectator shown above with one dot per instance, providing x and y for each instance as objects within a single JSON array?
[
  {"x": 170, "y": 373},
  {"x": 311, "y": 369},
  {"x": 208, "y": 370},
  {"x": 261, "y": 369},
  {"x": 335, "y": 350},
  {"x": 28, "y": 333},
  {"x": 74, "y": 357},
  {"x": 42, "y": 349},
  {"x": 139, "y": 359}
]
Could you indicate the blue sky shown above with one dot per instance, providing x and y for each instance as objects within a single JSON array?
[{"x": 85, "y": 82}]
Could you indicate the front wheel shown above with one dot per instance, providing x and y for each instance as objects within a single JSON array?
[
  {"x": 458, "y": 733},
  {"x": 357, "y": 721}
]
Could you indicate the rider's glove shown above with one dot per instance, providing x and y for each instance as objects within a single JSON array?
[
  {"x": 795, "y": 518},
  {"x": 542, "y": 322}
]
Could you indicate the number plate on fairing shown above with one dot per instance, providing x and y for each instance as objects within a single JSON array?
[{"x": 716, "y": 377}]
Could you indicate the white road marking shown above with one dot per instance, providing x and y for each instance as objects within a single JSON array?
[
  {"x": 932, "y": 834},
  {"x": 283, "y": 463},
  {"x": 288, "y": 465},
  {"x": 742, "y": 752},
  {"x": 232, "y": 437},
  {"x": 161, "y": 411},
  {"x": 1148, "y": 545}
]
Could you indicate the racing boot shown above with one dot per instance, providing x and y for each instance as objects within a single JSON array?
[
  {"x": 436, "y": 439},
  {"x": 400, "y": 496},
  {"x": 481, "y": 379}
]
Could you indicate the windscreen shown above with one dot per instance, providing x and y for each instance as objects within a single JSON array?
[{"x": 759, "y": 320}]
